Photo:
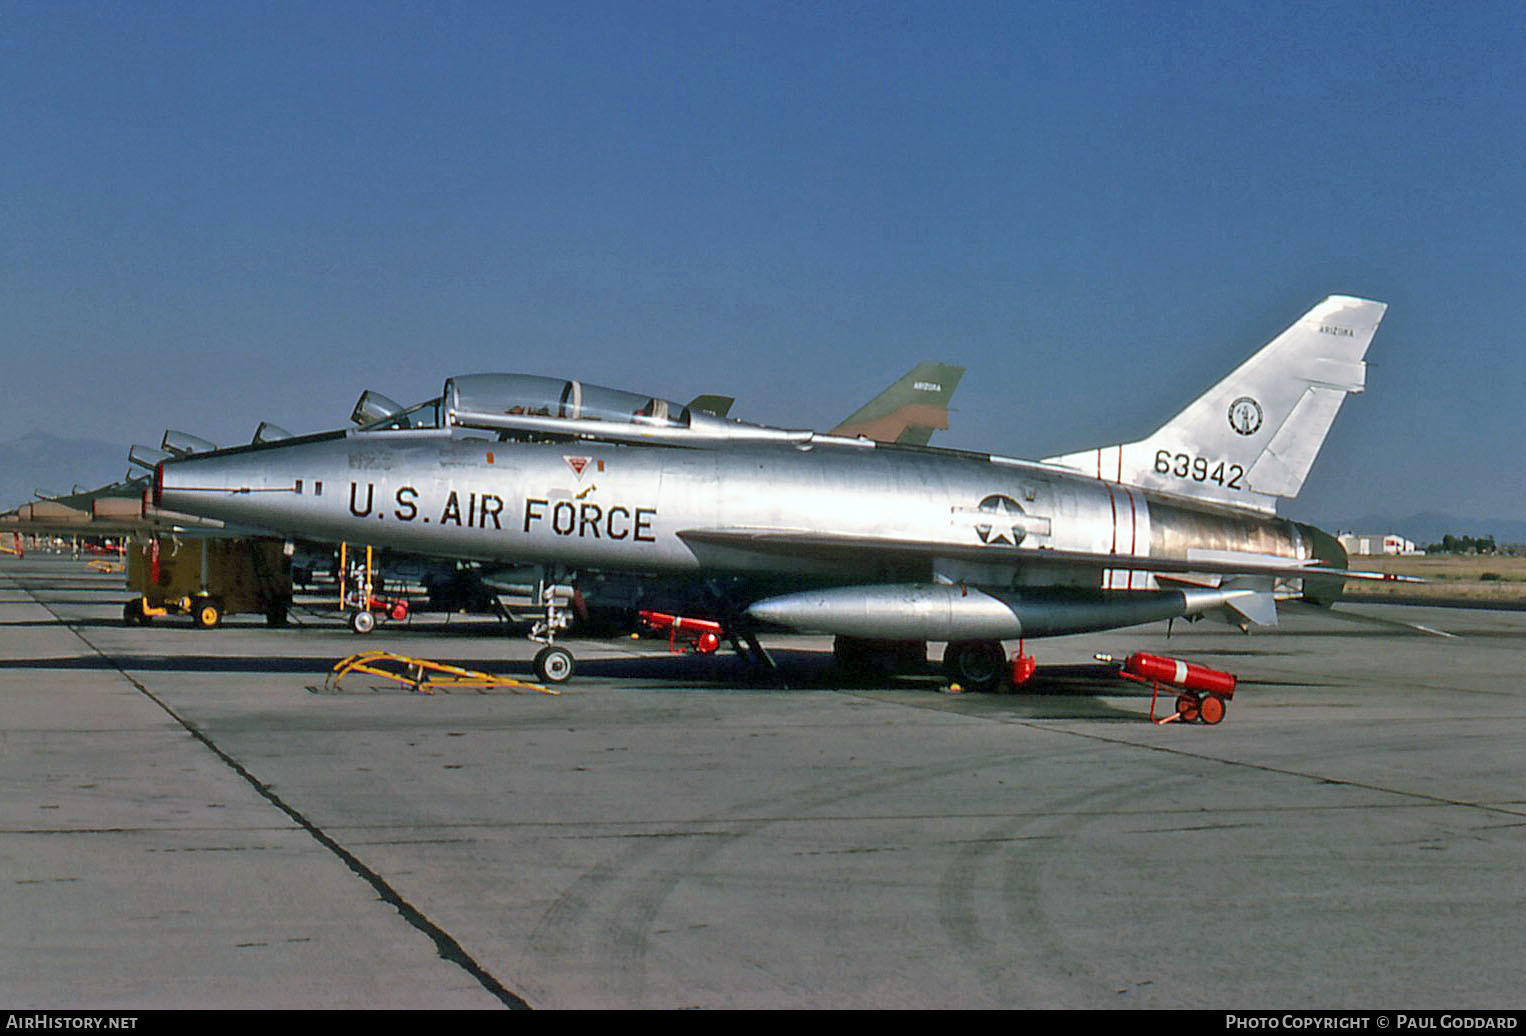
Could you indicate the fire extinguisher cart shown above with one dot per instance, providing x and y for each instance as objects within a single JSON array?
[{"x": 1203, "y": 694}]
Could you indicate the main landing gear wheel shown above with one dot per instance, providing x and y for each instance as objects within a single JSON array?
[
  {"x": 362, "y": 621},
  {"x": 977, "y": 665},
  {"x": 132, "y": 613},
  {"x": 553, "y": 664}
]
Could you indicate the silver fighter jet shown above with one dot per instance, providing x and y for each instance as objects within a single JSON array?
[{"x": 878, "y": 544}]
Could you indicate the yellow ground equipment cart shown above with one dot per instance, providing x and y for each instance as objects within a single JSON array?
[{"x": 207, "y": 579}]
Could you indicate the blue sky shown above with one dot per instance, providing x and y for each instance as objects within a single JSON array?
[{"x": 217, "y": 214}]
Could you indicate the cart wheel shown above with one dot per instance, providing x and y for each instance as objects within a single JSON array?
[
  {"x": 1187, "y": 707},
  {"x": 362, "y": 621},
  {"x": 553, "y": 664},
  {"x": 208, "y": 612},
  {"x": 1213, "y": 709}
]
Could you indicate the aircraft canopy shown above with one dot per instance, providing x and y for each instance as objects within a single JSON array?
[{"x": 535, "y": 396}]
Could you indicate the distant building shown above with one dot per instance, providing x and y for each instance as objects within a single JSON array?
[{"x": 1377, "y": 543}]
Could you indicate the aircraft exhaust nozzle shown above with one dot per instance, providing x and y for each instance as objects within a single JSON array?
[{"x": 1324, "y": 590}]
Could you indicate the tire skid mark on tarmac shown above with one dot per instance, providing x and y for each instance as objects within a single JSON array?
[
  {"x": 966, "y": 884},
  {"x": 621, "y": 898},
  {"x": 1012, "y": 882}
]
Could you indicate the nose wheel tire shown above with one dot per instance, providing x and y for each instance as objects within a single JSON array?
[{"x": 553, "y": 664}]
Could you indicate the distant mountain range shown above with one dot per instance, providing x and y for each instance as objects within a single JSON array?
[{"x": 39, "y": 462}]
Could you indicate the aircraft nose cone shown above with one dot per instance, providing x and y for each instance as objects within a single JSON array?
[
  {"x": 171, "y": 480},
  {"x": 209, "y": 486}
]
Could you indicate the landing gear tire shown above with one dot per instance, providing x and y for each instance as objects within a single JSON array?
[
  {"x": 276, "y": 615},
  {"x": 553, "y": 664},
  {"x": 976, "y": 665},
  {"x": 208, "y": 613},
  {"x": 362, "y": 621},
  {"x": 132, "y": 613},
  {"x": 1211, "y": 711}
]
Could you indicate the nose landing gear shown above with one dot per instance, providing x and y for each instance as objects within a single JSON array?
[{"x": 554, "y": 663}]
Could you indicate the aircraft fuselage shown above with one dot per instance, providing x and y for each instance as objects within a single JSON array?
[{"x": 610, "y": 506}]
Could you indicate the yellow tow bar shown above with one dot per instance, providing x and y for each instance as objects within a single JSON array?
[{"x": 425, "y": 676}]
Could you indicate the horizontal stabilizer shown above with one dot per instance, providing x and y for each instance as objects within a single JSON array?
[{"x": 1257, "y": 608}]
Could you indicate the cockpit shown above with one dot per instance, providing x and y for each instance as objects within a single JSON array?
[
  {"x": 518, "y": 395},
  {"x": 532, "y": 395},
  {"x": 531, "y": 408}
]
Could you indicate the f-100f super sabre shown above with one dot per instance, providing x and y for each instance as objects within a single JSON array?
[{"x": 883, "y": 545}]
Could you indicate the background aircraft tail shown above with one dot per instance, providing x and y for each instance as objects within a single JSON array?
[
  {"x": 909, "y": 411},
  {"x": 1253, "y": 437},
  {"x": 719, "y": 406}
]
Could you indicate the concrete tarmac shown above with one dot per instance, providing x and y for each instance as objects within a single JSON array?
[{"x": 185, "y": 822}]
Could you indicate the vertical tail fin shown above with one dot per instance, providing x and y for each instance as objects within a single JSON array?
[
  {"x": 1253, "y": 437},
  {"x": 910, "y": 410}
]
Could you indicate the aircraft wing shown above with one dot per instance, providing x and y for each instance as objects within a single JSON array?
[{"x": 830, "y": 547}]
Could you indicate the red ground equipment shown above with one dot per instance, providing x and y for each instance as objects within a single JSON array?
[
  {"x": 357, "y": 593},
  {"x": 1024, "y": 666},
  {"x": 393, "y": 608},
  {"x": 1205, "y": 692},
  {"x": 703, "y": 636}
]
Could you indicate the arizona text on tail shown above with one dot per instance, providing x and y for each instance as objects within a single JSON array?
[{"x": 910, "y": 410}]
